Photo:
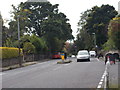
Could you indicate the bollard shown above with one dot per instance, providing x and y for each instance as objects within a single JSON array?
[{"x": 62, "y": 57}]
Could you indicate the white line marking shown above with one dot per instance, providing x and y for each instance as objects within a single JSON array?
[
  {"x": 102, "y": 80},
  {"x": 99, "y": 86},
  {"x": 100, "y": 83},
  {"x": 102, "y": 77}
]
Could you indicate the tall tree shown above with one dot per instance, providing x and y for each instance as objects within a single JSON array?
[
  {"x": 96, "y": 21},
  {"x": 43, "y": 19},
  {"x": 114, "y": 32}
]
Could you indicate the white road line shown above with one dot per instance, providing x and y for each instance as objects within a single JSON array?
[
  {"x": 102, "y": 80},
  {"x": 100, "y": 83},
  {"x": 99, "y": 86}
]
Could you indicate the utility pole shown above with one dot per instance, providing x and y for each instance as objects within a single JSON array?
[
  {"x": 94, "y": 39},
  {"x": 20, "y": 62}
]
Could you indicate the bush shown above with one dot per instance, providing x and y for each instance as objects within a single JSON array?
[
  {"x": 29, "y": 48},
  {"x": 9, "y": 52}
]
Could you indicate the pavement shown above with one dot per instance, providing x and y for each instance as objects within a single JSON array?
[{"x": 114, "y": 76}]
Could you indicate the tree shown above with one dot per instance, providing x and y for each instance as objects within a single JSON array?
[
  {"x": 114, "y": 32},
  {"x": 44, "y": 21},
  {"x": 84, "y": 40},
  {"x": 39, "y": 43},
  {"x": 39, "y": 11},
  {"x": 96, "y": 21}
]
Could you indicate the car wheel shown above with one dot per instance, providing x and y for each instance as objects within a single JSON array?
[{"x": 89, "y": 60}]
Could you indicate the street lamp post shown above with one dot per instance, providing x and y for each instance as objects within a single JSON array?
[
  {"x": 18, "y": 22},
  {"x": 94, "y": 39}
]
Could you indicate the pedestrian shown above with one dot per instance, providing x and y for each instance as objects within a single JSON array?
[
  {"x": 107, "y": 57},
  {"x": 65, "y": 54},
  {"x": 112, "y": 59},
  {"x": 116, "y": 55},
  {"x": 100, "y": 55}
]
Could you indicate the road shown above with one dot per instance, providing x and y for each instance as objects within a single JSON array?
[{"x": 49, "y": 74}]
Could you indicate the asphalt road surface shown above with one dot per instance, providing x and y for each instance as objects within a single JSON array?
[{"x": 49, "y": 74}]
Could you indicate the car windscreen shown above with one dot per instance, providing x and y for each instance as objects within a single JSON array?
[
  {"x": 82, "y": 53},
  {"x": 93, "y": 52}
]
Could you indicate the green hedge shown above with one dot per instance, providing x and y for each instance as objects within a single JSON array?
[{"x": 9, "y": 52}]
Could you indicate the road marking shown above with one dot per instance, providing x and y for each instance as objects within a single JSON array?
[
  {"x": 100, "y": 83},
  {"x": 99, "y": 86},
  {"x": 102, "y": 79}
]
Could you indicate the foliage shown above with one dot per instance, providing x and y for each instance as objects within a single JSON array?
[
  {"x": 109, "y": 45},
  {"x": 84, "y": 41},
  {"x": 50, "y": 27},
  {"x": 9, "y": 52},
  {"x": 114, "y": 32},
  {"x": 57, "y": 26},
  {"x": 96, "y": 21},
  {"x": 54, "y": 44},
  {"x": 28, "y": 48},
  {"x": 39, "y": 43}
]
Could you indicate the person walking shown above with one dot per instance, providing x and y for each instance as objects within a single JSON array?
[
  {"x": 107, "y": 57},
  {"x": 65, "y": 55}
]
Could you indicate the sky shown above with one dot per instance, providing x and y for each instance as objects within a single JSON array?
[{"x": 71, "y": 8}]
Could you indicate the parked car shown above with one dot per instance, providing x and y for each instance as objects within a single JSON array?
[
  {"x": 83, "y": 55},
  {"x": 92, "y": 53},
  {"x": 56, "y": 55}
]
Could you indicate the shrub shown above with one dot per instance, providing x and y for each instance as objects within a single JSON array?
[
  {"x": 29, "y": 48},
  {"x": 9, "y": 52}
]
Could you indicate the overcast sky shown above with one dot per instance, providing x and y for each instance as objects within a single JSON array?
[{"x": 71, "y": 8}]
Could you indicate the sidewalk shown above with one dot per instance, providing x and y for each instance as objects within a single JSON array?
[{"x": 113, "y": 76}]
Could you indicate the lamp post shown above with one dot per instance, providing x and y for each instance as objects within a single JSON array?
[
  {"x": 18, "y": 22},
  {"x": 94, "y": 39}
]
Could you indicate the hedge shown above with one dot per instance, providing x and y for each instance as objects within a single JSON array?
[{"x": 9, "y": 52}]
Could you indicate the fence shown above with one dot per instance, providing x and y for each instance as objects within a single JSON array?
[{"x": 25, "y": 58}]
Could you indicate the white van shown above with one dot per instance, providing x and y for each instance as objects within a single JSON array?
[{"x": 92, "y": 53}]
